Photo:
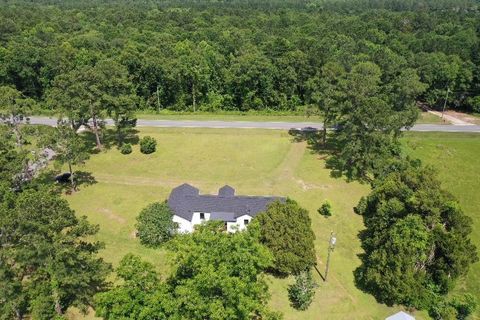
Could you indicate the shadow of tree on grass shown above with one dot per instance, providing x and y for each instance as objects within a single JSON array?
[
  {"x": 48, "y": 177},
  {"x": 109, "y": 138},
  {"x": 328, "y": 151}
]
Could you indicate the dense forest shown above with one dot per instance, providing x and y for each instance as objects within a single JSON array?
[{"x": 239, "y": 55}]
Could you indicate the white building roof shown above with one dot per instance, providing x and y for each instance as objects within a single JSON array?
[{"x": 400, "y": 316}]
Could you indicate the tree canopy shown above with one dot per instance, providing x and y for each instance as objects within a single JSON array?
[
  {"x": 417, "y": 239},
  {"x": 47, "y": 265},
  {"x": 215, "y": 275},
  {"x": 155, "y": 225},
  {"x": 285, "y": 229},
  {"x": 233, "y": 55}
]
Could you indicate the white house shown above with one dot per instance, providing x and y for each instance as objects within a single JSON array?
[{"x": 191, "y": 208}]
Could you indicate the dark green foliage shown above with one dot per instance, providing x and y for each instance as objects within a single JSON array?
[
  {"x": 465, "y": 306},
  {"x": 215, "y": 275},
  {"x": 417, "y": 239},
  {"x": 155, "y": 225},
  {"x": 148, "y": 145},
  {"x": 286, "y": 230},
  {"x": 126, "y": 148},
  {"x": 12, "y": 161},
  {"x": 372, "y": 116},
  {"x": 14, "y": 109},
  {"x": 325, "y": 209},
  {"x": 70, "y": 149},
  {"x": 232, "y": 55},
  {"x": 301, "y": 293},
  {"x": 47, "y": 263},
  {"x": 456, "y": 308},
  {"x": 93, "y": 92},
  {"x": 128, "y": 301}
]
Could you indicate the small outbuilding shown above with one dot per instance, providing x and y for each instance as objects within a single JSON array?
[{"x": 400, "y": 316}]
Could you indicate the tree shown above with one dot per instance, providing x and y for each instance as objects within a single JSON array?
[
  {"x": 301, "y": 293},
  {"x": 155, "y": 225},
  {"x": 118, "y": 99},
  {"x": 417, "y": 239},
  {"x": 442, "y": 72},
  {"x": 91, "y": 93},
  {"x": 327, "y": 92},
  {"x": 129, "y": 300},
  {"x": 215, "y": 275},
  {"x": 285, "y": 229},
  {"x": 76, "y": 94},
  {"x": 197, "y": 68},
  {"x": 47, "y": 263},
  {"x": 14, "y": 109},
  {"x": 12, "y": 160},
  {"x": 69, "y": 148},
  {"x": 250, "y": 81},
  {"x": 371, "y": 124}
]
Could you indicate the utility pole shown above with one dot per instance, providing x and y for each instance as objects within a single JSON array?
[
  {"x": 158, "y": 100},
  {"x": 445, "y": 103},
  {"x": 331, "y": 246}
]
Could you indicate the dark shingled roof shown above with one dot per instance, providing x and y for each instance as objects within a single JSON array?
[
  {"x": 184, "y": 200},
  {"x": 223, "y": 216}
]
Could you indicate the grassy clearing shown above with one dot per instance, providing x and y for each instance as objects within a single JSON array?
[{"x": 261, "y": 162}]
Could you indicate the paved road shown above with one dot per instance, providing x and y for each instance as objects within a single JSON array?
[{"x": 258, "y": 125}]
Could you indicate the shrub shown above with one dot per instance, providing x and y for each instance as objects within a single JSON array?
[
  {"x": 126, "y": 148},
  {"x": 325, "y": 209},
  {"x": 465, "y": 305},
  {"x": 155, "y": 225},
  {"x": 458, "y": 308},
  {"x": 148, "y": 145},
  {"x": 302, "y": 291}
]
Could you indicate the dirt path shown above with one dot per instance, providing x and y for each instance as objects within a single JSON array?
[
  {"x": 287, "y": 168},
  {"x": 141, "y": 181},
  {"x": 455, "y": 118}
]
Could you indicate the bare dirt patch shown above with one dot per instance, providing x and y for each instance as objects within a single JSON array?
[
  {"x": 463, "y": 116},
  {"x": 457, "y": 118},
  {"x": 112, "y": 216}
]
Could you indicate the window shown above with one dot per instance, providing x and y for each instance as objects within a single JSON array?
[
  {"x": 246, "y": 221},
  {"x": 202, "y": 216}
]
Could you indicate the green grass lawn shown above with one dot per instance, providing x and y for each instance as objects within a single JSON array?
[{"x": 262, "y": 162}]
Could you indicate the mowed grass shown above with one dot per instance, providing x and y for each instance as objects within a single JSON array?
[{"x": 259, "y": 162}]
